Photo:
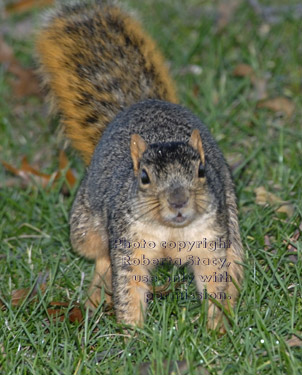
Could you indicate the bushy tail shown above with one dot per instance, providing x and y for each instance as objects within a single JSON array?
[{"x": 96, "y": 60}]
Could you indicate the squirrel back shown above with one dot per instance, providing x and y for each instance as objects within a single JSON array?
[{"x": 95, "y": 60}]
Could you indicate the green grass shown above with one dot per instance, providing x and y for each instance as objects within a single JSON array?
[{"x": 34, "y": 221}]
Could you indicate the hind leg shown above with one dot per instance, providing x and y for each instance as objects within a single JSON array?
[
  {"x": 102, "y": 280},
  {"x": 89, "y": 238}
]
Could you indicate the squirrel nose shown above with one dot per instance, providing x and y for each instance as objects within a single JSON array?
[{"x": 178, "y": 198}]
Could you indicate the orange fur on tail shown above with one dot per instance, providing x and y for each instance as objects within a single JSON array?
[{"x": 91, "y": 79}]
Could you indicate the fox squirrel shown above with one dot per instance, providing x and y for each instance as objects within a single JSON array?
[{"x": 157, "y": 186}]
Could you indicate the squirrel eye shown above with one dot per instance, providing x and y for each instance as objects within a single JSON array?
[
  {"x": 144, "y": 177},
  {"x": 201, "y": 170}
]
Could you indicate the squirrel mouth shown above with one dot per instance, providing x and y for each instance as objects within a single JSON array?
[{"x": 179, "y": 218}]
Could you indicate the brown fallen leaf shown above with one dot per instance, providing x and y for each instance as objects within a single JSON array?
[
  {"x": 234, "y": 160},
  {"x": 294, "y": 341},
  {"x": 2, "y": 304},
  {"x": 267, "y": 242},
  {"x": 25, "y": 5},
  {"x": 30, "y": 174},
  {"x": 291, "y": 245},
  {"x": 74, "y": 315},
  {"x": 63, "y": 163},
  {"x": 61, "y": 304},
  {"x": 196, "y": 91},
  {"x": 19, "y": 295},
  {"x": 226, "y": 10},
  {"x": 243, "y": 70},
  {"x": 286, "y": 208},
  {"x": 2, "y": 351},
  {"x": 26, "y": 83},
  {"x": 260, "y": 84},
  {"x": 294, "y": 238},
  {"x": 260, "y": 88},
  {"x": 12, "y": 182},
  {"x": 263, "y": 198},
  {"x": 7, "y": 54},
  {"x": 26, "y": 167},
  {"x": 279, "y": 104}
]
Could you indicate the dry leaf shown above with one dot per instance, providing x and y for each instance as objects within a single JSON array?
[
  {"x": 295, "y": 238},
  {"x": 196, "y": 91},
  {"x": 30, "y": 174},
  {"x": 2, "y": 351},
  {"x": 291, "y": 244},
  {"x": 267, "y": 242},
  {"x": 243, "y": 70},
  {"x": 63, "y": 163},
  {"x": 12, "y": 182},
  {"x": 74, "y": 315},
  {"x": 19, "y": 295},
  {"x": 294, "y": 341},
  {"x": 234, "y": 160},
  {"x": 25, "y": 5},
  {"x": 260, "y": 84},
  {"x": 26, "y": 167},
  {"x": 62, "y": 304},
  {"x": 26, "y": 83},
  {"x": 260, "y": 88},
  {"x": 287, "y": 209},
  {"x": 6, "y": 53},
  {"x": 279, "y": 104},
  {"x": 2, "y": 305},
  {"x": 226, "y": 10},
  {"x": 263, "y": 197}
]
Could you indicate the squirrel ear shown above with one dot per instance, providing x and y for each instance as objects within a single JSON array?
[
  {"x": 137, "y": 148},
  {"x": 196, "y": 143}
]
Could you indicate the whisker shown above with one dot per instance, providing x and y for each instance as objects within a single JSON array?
[
  {"x": 203, "y": 209},
  {"x": 201, "y": 197},
  {"x": 144, "y": 202},
  {"x": 144, "y": 213},
  {"x": 142, "y": 207}
]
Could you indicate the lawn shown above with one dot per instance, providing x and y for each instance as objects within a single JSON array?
[{"x": 241, "y": 73}]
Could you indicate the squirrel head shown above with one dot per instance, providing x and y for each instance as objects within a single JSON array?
[{"x": 171, "y": 180}]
